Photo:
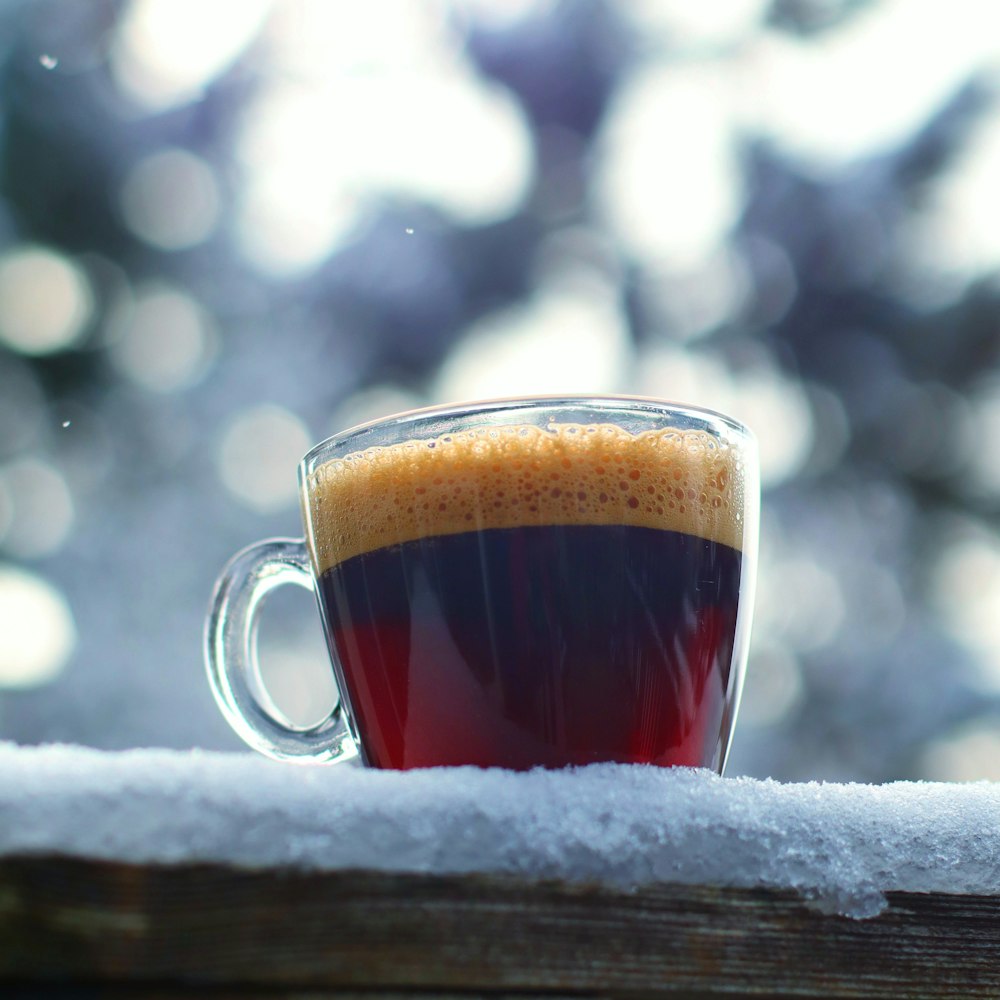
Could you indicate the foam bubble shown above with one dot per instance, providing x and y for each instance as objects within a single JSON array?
[{"x": 520, "y": 475}]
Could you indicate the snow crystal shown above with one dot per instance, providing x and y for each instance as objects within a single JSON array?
[{"x": 839, "y": 845}]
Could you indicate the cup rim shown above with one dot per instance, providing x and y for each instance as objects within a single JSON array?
[{"x": 598, "y": 400}]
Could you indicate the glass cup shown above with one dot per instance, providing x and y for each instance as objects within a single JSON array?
[{"x": 513, "y": 583}]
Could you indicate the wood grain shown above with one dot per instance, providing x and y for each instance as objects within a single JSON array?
[{"x": 217, "y": 931}]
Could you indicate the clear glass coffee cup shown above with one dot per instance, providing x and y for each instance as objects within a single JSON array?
[{"x": 536, "y": 582}]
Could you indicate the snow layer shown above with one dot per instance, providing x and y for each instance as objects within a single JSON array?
[{"x": 839, "y": 845}]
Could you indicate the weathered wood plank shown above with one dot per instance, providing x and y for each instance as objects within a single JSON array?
[
  {"x": 136, "y": 929},
  {"x": 25, "y": 990}
]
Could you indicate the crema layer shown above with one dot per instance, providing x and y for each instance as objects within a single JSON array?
[{"x": 523, "y": 475}]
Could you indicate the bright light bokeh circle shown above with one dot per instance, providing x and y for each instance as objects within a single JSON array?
[
  {"x": 167, "y": 342},
  {"x": 170, "y": 199},
  {"x": 45, "y": 301},
  {"x": 37, "y": 632},
  {"x": 259, "y": 454}
]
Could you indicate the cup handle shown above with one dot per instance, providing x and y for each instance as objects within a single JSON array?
[{"x": 231, "y": 656}]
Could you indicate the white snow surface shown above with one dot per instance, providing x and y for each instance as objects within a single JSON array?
[{"x": 842, "y": 846}]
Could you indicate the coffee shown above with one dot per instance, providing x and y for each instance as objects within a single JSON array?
[{"x": 524, "y": 595}]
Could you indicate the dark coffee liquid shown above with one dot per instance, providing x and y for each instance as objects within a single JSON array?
[{"x": 541, "y": 645}]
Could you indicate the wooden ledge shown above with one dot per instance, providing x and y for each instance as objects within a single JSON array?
[{"x": 215, "y": 931}]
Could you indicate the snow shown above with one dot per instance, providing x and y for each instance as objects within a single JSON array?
[{"x": 841, "y": 846}]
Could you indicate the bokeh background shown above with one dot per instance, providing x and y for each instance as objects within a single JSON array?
[{"x": 230, "y": 228}]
